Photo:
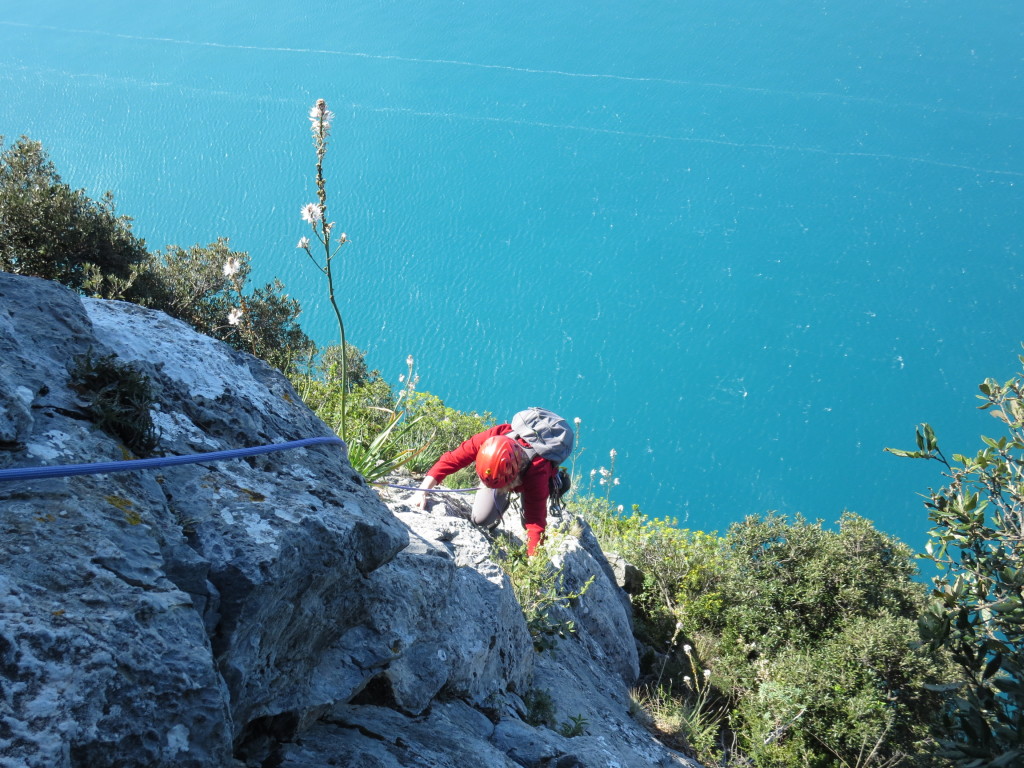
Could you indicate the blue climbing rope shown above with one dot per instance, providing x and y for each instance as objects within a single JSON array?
[{"x": 99, "y": 468}]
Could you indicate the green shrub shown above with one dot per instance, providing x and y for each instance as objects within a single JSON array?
[
  {"x": 573, "y": 727},
  {"x": 679, "y": 567},
  {"x": 808, "y": 638},
  {"x": 427, "y": 427},
  {"x": 51, "y": 231},
  {"x": 976, "y": 608},
  {"x": 828, "y": 620},
  {"x": 386, "y": 429},
  {"x": 368, "y": 404},
  {"x": 540, "y": 588},
  {"x": 328, "y": 367},
  {"x": 540, "y": 708}
]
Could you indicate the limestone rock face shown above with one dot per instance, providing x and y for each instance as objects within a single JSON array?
[{"x": 271, "y": 610}]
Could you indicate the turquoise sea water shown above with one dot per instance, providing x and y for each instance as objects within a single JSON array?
[{"x": 749, "y": 245}]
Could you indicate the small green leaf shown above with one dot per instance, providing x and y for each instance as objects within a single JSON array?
[
  {"x": 906, "y": 454},
  {"x": 1007, "y": 604},
  {"x": 992, "y": 667},
  {"x": 942, "y": 687}
]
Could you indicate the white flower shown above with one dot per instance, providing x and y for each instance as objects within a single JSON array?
[
  {"x": 235, "y": 316},
  {"x": 231, "y": 267},
  {"x": 342, "y": 238},
  {"x": 592, "y": 473},
  {"x": 613, "y": 454},
  {"x": 409, "y": 361},
  {"x": 320, "y": 114},
  {"x": 615, "y": 481},
  {"x": 620, "y": 508},
  {"x": 707, "y": 673},
  {"x": 604, "y": 472},
  {"x": 603, "y": 481},
  {"x": 311, "y": 212},
  {"x": 401, "y": 378},
  {"x": 303, "y": 242},
  {"x": 577, "y": 421},
  {"x": 687, "y": 679},
  {"x": 687, "y": 648}
]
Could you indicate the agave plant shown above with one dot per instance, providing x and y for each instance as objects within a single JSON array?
[{"x": 386, "y": 452}]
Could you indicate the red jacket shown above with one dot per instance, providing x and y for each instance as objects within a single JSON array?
[{"x": 533, "y": 488}]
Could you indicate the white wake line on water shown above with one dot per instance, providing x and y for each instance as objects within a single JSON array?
[
  {"x": 103, "y": 79},
  {"x": 694, "y": 139},
  {"x": 524, "y": 70}
]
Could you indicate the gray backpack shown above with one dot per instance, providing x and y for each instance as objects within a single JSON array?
[{"x": 548, "y": 434}]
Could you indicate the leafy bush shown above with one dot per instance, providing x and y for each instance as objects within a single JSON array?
[
  {"x": 368, "y": 403},
  {"x": 328, "y": 367},
  {"x": 808, "y": 637},
  {"x": 676, "y": 564},
  {"x": 816, "y": 644},
  {"x": 976, "y": 609},
  {"x": 377, "y": 426},
  {"x": 573, "y": 727},
  {"x": 540, "y": 708},
  {"x": 540, "y": 588},
  {"x": 51, "y": 231},
  {"x": 426, "y": 427}
]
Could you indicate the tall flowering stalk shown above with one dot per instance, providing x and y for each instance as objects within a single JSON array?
[{"x": 315, "y": 214}]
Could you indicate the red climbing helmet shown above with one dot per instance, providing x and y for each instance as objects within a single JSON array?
[{"x": 499, "y": 460}]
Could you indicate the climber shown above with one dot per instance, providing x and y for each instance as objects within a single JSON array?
[{"x": 507, "y": 462}]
